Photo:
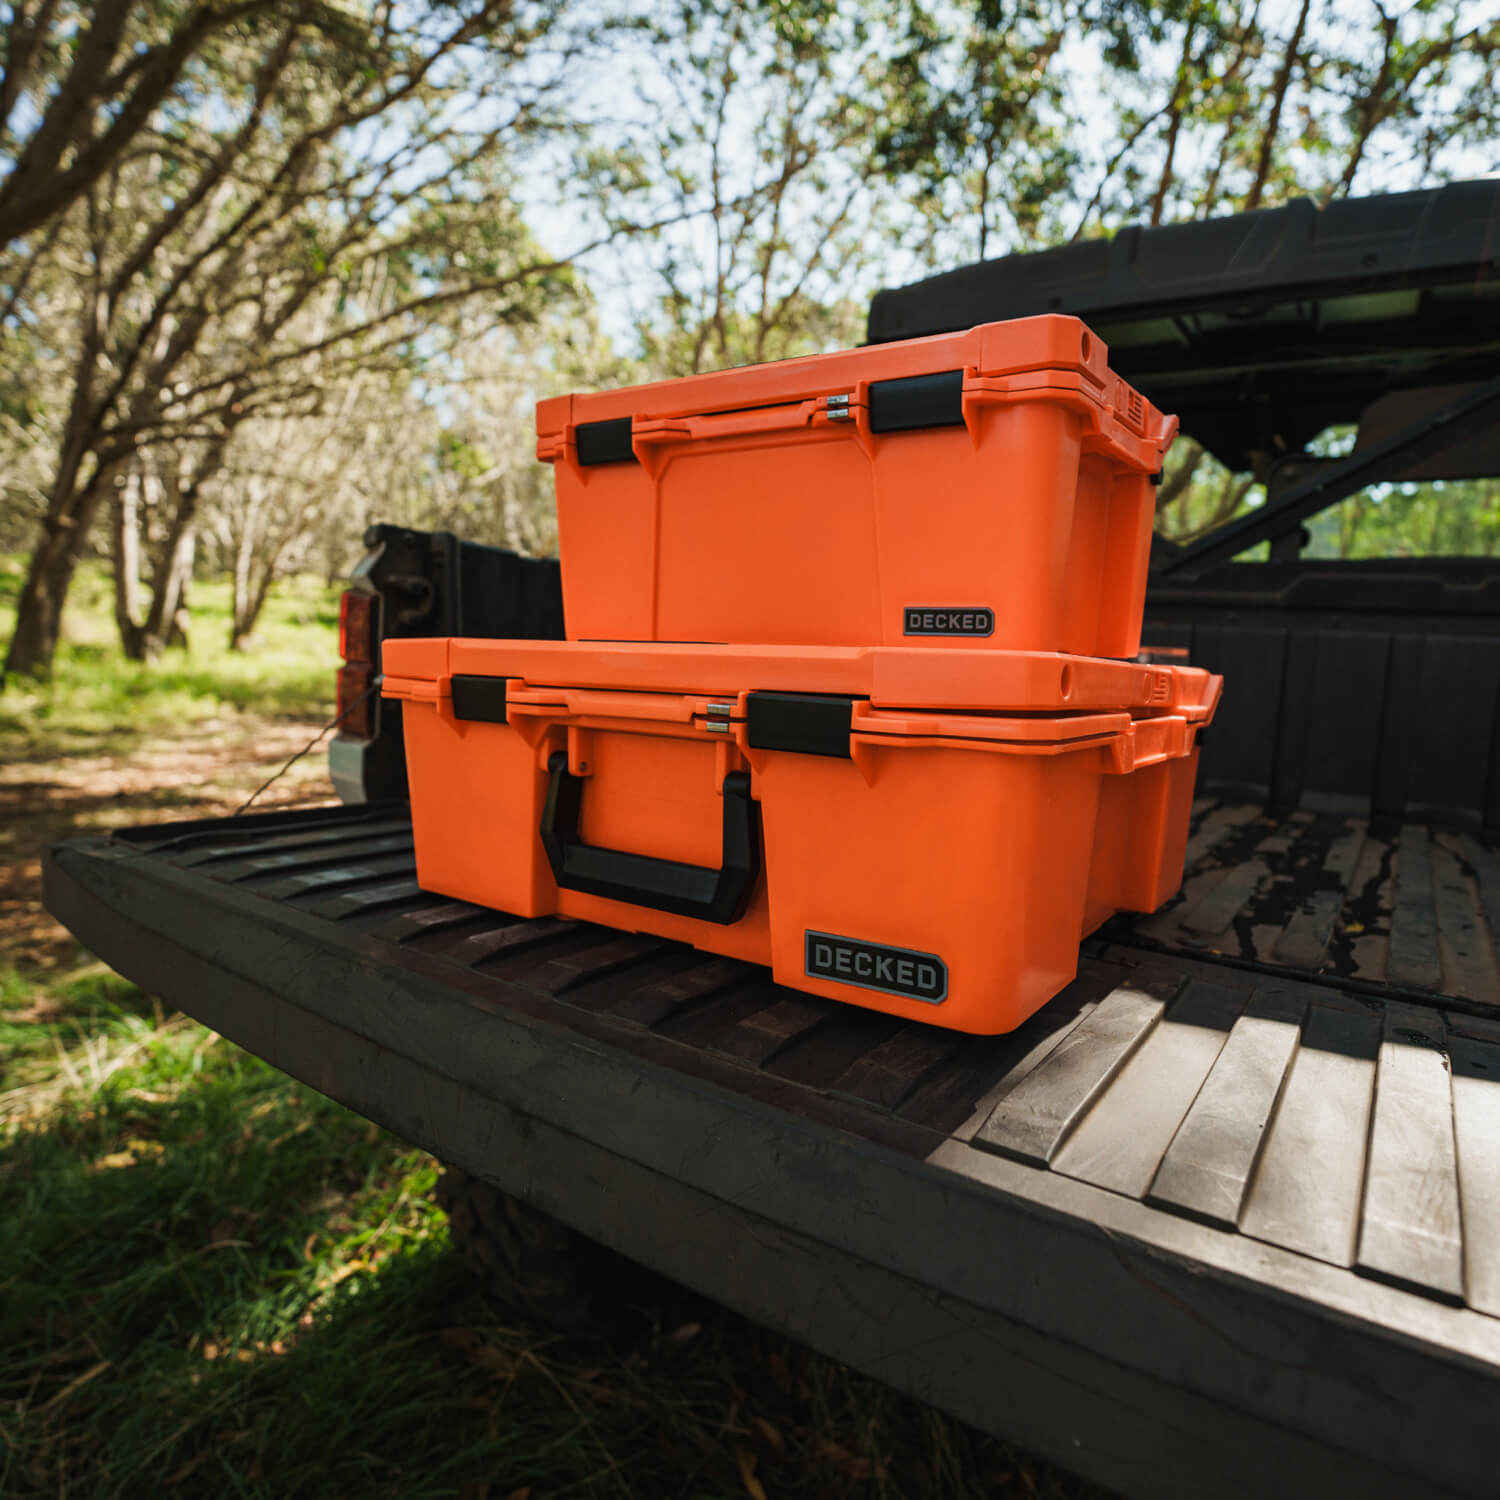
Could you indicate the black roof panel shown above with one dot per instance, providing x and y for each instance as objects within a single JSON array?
[{"x": 1259, "y": 329}]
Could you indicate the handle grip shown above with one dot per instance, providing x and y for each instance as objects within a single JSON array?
[
  {"x": 789, "y": 416},
  {"x": 662, "y": 884}
]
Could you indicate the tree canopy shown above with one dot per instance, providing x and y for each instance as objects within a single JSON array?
[{"x": 269, "y": 268}]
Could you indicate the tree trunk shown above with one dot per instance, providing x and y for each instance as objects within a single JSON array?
[
  {"x": 172, "y": 569},
  {"x": 180, "y": 621},
  {"x": 1189, "y": 457},
  {"x": 273, "y": 545},
  {"x": 1278, "y": 100},
  {"x": 242, "y": 613},
  {"x": 245, "y": 619},
  {"x": 165, "y": 623},
  {"x": 125, "y": 537},
  {"x": 1181, "y": 86},
  {"x": 48, "y": 578},
  {"x": 245, "y": 623},
  {"x": 70, "y": 513},
  {"x": 39, "y": 609}
]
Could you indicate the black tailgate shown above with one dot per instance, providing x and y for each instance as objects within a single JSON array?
[{"x": 1203, "y": 1226}]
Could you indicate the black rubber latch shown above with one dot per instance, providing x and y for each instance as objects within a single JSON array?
[
  {"x": 917, "y": 401},
  {"x": 604, "y": 442},
  {"x": 1156, "y": 478},
  {"x": 481, "y": 699},
  {"x": 809, "y": 723}
]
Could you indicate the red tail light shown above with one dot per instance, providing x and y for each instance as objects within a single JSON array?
[
  {"x": 358, "y": 638},
  {"x": 357, "y": 700},
  {"x": 357, "y": 626}
]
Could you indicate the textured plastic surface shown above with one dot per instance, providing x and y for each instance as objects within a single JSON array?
[
  {"x": 943, "y": 867},
  {"x": 1363, "y": 689},
  {"x": 1354, "y": 246},
  {"x": 999, "y": 473},
  {"x": 1258, "y": 329}
]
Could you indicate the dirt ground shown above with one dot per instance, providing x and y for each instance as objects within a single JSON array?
[{"x": 208, "y": 770}]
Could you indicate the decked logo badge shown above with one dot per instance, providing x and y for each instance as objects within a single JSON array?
[
  {"x": 948, "y": 619},
  {"x": 874, "y": 966}
]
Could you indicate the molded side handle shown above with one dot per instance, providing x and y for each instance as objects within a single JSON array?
[{"x": 662, "y": 884}]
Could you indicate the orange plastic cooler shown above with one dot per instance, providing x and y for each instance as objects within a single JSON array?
[
  {"x": 987, "y": 488},
  {"x": 823, "y": 811}
]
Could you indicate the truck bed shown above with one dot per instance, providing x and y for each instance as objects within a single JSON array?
[{"x": 1224, "y": 1218}]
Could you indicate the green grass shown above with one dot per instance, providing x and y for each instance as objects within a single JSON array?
[
  {"x": 215, "y": 1281},
  {"x": 98, "y": 701}
]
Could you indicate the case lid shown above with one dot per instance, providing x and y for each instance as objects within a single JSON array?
[
  {"x": 912, "y": 384},
  {"x": 894, "y": 677}
]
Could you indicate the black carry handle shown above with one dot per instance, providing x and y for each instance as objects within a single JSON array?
[{"x": 663, "y": 884}]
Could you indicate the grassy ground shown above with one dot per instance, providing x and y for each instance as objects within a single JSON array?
[
  {"x": 98, "y": 701},
  {"x": 215, "y": 1281}
]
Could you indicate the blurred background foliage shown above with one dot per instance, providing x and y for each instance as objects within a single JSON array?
[{"x": 272, "y": 269}]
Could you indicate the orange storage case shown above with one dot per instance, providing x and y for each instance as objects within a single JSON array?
[
  {"x": 985, "y": 488},
  {"x": 936, "y": 862}
]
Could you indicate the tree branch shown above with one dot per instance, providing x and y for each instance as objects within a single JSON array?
[
  {"x": 1278, "y": 100},
  {"x": 38, "y": 186}
]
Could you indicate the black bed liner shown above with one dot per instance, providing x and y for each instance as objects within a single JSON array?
[
  {"x": 1406, "y": 912},
  {"x": 1223, "y": 1219}
]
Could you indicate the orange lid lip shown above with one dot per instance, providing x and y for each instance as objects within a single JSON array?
[
  {"x": 888, "y": 676},
  {"x": 1049, "y": 342}
]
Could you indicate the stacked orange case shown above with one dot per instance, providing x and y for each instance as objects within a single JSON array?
[
  {"x": 1003, "y": 473},
  {"x": 799, "y": 778}
]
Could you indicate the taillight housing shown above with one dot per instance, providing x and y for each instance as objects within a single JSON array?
[
  {"x": 356, "y": 700},
  {"x": 359, "y": 626}
]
